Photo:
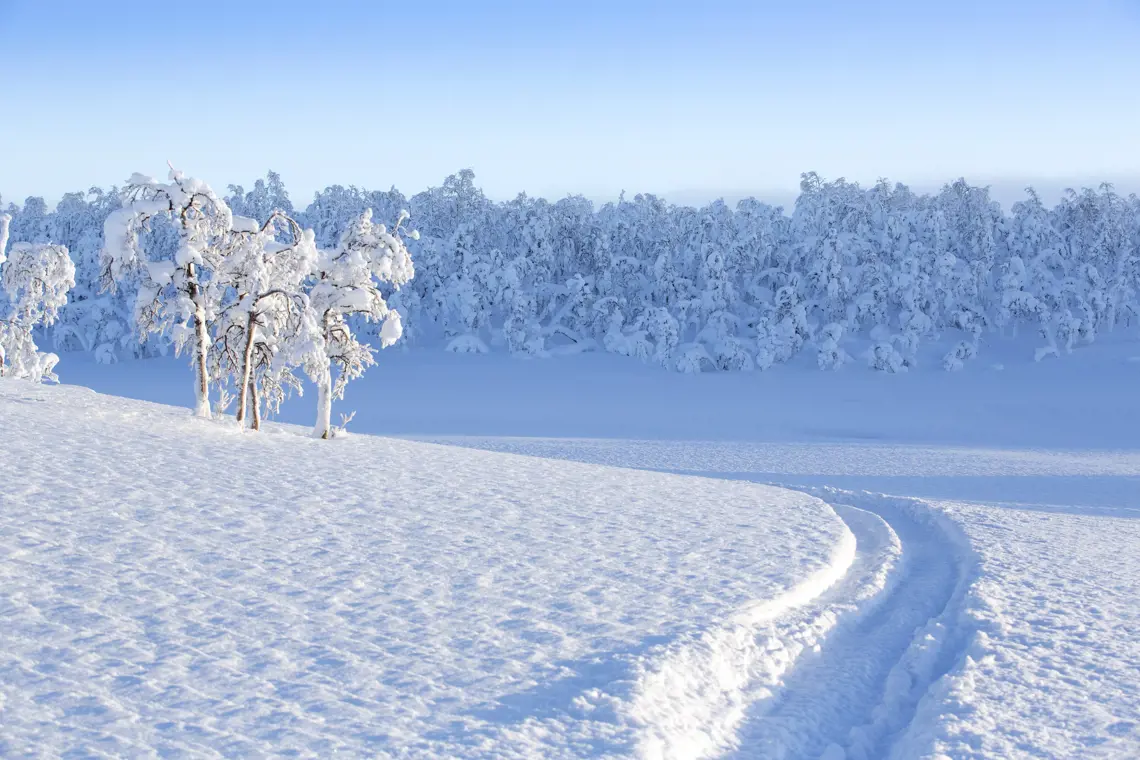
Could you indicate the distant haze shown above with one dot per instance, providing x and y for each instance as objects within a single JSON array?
[{"x": 1004, "y": 191}]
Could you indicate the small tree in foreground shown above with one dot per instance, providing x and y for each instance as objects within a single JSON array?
[
  {"x": 176, "y": 295},
  {"x": 36, "y": 278},
  {"x": 348, "y": 283},
  {"x": 265, "y": 270}
]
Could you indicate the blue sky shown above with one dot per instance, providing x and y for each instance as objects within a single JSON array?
[{"x": 559, "y": 97}]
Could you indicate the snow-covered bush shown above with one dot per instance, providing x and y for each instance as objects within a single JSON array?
[
  {"x": 831, "y": 356},
  {"x": 885, "y": 357},
  {"x": 959, "y": 355}
]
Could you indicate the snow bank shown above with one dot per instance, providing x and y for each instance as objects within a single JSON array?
[{"x": 170, "y": 585}]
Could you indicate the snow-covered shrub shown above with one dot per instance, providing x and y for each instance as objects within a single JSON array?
[
  {"x": 959, "y": 355},
  {"x": 725, "y": 349},
  {"x": 885, "y": 357},
  {"x": 662, "y": 329},
  {"x": 632, "y": 342},
  {"x": 831, "y": 356},
  {"x": 692, "y": 358},
  {"x": 467, "y": 344},
  {"x": 764, "y": 359}
]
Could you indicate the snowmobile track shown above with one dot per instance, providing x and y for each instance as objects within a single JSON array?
[{"x": 855, "y": 693}]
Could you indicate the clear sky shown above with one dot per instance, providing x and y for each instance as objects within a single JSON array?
[{"x": 553, "y": 97}]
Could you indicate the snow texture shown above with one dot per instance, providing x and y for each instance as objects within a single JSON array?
[
  {"x": 1005, "y": 628},
  {"x": 991, "y": 616},
  {"x": 172, "y": 586},
  {"x": 1051, "y": 666}
]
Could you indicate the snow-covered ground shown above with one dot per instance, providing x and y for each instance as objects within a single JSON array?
[
  {"x": 1084, "y": 400},
  {"x": 970, "y": 592},
  {"x": 1026, "y": 595},
  {"x": 171, "y": 586}
]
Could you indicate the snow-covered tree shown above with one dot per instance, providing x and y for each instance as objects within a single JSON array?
[
  {"x": 36, "y": 278},
  {"x": 93, "y": 321},
  {"x": 259, "y": 330},
  {"x": 267, "y": 196},
  {"x": 177, "y": 294},
  {"x": 349, "y": 282},
  {"x": 694, "y": 289},
  {"x": 5, "y": 226}
]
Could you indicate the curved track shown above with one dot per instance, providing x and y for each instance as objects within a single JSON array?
[{"x": 857, "y": 691}]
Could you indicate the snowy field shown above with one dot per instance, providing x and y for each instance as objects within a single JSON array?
[
  {"x": 172, "y": 586},
  {"x": 962, "y": 584},
  {"x": 1002, "y": 399},
  {"x": 1030, "y": 606}
]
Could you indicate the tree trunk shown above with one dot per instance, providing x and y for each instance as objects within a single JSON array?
[
  {"x": 323, "y": 428},
  {"x": 246, "y": 370},
  {"x": 256, "y": 404},
  {"x": 201, "y": 347}
]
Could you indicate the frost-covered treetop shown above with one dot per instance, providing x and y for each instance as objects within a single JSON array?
[
  {"x": 37, "y": 277},
  {"x": 201, "y": 217},
  {"x": 368, "y": 250},
  {"x": 273, "y": 254},
  {"x": 368, "y": 255}
]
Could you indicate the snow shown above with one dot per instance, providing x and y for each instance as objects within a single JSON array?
[
  {"x": 1051, "y": 667},
  {"x": 1084, "y": 401},
  {"x": 986, "y": 607},
  {"x": 246, "y": 225},
  {"x": 1028, "y": 607},
  {"x": 172, "y": 586}
]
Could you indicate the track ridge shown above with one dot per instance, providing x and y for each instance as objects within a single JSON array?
[{"x": 689, "y": 700}]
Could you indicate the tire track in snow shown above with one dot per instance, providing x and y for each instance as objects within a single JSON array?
[
  {"x": 840, "y": 676},
  {"x": 690, "y": 702},
  {"x": 837, "y": 677},
  {"x": 856, "y": 693}
]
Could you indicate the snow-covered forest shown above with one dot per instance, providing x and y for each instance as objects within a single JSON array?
[{"x": 850, "y": 274}]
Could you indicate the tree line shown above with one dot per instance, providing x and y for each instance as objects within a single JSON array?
[{"x": 848, "y": 274}]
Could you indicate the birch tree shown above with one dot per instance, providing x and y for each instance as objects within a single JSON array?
[
  {"x": 176, "y": 295},
  {"x": 265, "y": 271},
  {"x": 348, "y": 283}
]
